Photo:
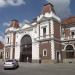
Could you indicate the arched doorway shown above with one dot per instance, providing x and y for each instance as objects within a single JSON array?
[
  {"x": 26, "y": 49},
  {"x": 69, "y": 51}
]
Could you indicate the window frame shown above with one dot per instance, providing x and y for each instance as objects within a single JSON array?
[{"x": 44, "y": 31}]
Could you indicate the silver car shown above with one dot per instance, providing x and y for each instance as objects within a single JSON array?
[{"x": 11, "y": 64}]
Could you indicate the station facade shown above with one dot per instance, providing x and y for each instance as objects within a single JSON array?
[{"x": 46, "y": 39}]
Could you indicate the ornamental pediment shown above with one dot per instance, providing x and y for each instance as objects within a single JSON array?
[
  {"x": 42, "y": 18},
  {"x": 26, "y": 26},
  {"x": 47, "y": 16}
]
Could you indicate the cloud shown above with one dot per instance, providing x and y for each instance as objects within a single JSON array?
[
  {"x": 4, "y": 3},
  {"x": 1, "y": 37},
  {"x": 15, "y": 2},
  {"x": 6, "y": 24},
  {"x": 62, "y": 7}
]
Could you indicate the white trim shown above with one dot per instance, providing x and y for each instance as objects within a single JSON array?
[
  {"x": 52, "y": 41},
  {"x": 67, "y": 45},
  {"x": 52, "y": 28},
  {"x": 48, "y": 15},
  {"x": 52, "y": 50}
]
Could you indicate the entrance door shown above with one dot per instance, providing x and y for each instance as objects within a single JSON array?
[
  {"x": 57, "y": 57},
  {"x": 26, "y": 49}
]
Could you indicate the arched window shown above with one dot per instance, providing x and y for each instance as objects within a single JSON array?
[
  {"x": 44, "y": 52},
  {"x": 26, "y": 49},
  {"x": 69, "y": 51}
]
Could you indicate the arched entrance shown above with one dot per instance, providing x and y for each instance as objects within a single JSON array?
[
  {"x": 26, "y": 49},
  {"x": 69, "y": 51}
]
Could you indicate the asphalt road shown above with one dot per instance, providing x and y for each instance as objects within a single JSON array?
[{"x": 40, "y": 69}]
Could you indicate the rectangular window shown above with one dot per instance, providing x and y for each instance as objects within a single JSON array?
[{"x": 44, "y": 32}]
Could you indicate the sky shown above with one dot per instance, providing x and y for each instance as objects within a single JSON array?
[{"x": 29, "y": 9}]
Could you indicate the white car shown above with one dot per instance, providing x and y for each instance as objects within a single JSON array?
[{"x": 12, "y": 63}]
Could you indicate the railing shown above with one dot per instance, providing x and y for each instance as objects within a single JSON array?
[
  {"x": 68, "y": 38},
  {"x": 42, "y": 37}
]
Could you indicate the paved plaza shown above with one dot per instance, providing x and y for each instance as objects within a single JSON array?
[{"x": 40, "y": 69}]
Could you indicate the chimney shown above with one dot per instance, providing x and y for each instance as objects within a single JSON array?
[
  {"x": 47, "y": 8},
  {"x": 14, "y": 23}
]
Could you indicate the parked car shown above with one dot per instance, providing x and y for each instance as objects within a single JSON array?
[{"x": 12, "y": 63}]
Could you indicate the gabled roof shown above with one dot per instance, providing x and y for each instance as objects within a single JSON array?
[{"x": 26, "y": 26}]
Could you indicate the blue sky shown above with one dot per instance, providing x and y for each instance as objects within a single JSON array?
[{"x": 29, "y": 9}]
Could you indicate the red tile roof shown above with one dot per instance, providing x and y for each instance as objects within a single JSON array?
[
  {"x": 70, "y": 20},
  {"x": 1, "y": 45}
]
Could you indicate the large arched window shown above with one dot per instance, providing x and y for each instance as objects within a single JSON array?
[
  {"x": 26, "y": 49},
  {"x": 69, "y": 51}
]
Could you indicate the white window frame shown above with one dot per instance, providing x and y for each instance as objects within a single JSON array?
[{"x": 44, "y": 51}]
